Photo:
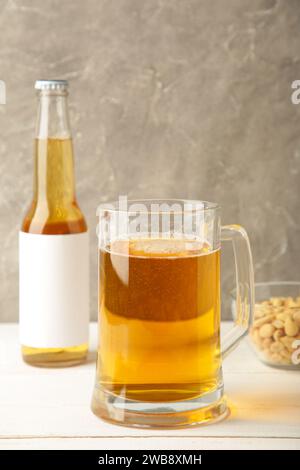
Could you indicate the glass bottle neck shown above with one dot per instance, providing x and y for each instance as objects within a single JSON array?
[
  {"x": 53, "y": 118},
  {"x": 54, "y": 184}
]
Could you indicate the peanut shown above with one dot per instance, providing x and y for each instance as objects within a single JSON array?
[
  {"x": 278, "y": 334},
  {"x": 290, "y": 327},
  {"x": 276, "y": 326},
  {"x": 255, "y": 337},
  {"x": 288, "y": 341},
  {"x": 285, "y": 353},
  {"x": 283, "y": 316},
  {"x": 276, "y": 301},
  {"x": 278, "y": 323},
  {"x": 275, "y": 357},
  {"x": 276, "y": 347},
  {"x": 266, "y": 343},
  {"x": 289, "y": 302},
  {"x": 262, "y": 321},
  {"x": 259, "y": 313},
  {"x": 296, "y": 317},
  {"x": 266, "y": 330}
]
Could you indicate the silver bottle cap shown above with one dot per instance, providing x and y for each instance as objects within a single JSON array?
[{"x": 51, "y": 85}]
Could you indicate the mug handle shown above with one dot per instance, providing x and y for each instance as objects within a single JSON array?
[{"x": 244, "y": 286}]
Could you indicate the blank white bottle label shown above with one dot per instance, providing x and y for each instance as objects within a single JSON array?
[{"x": 54, "y": 290}]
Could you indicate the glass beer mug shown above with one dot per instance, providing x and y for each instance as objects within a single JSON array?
[{"x": 160, "y": 351}]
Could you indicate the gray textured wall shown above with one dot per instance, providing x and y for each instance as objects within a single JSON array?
[{"x": 174, "y": 98}]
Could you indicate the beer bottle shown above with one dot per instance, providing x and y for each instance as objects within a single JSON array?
[{"x": 53, "y": 244}]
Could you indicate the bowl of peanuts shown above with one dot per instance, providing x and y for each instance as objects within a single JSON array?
[{"x": 275, "y": 330}]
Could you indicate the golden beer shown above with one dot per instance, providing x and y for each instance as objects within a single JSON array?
[{"x": 159, "y": 313}]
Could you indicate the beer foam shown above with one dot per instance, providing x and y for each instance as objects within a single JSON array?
[{"x": 159, "y": 247}]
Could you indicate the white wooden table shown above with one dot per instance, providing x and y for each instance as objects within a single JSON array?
[{"x": 50, "y": 408}]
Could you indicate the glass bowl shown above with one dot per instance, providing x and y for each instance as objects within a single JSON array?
[{"x": 275, "y": 329}]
